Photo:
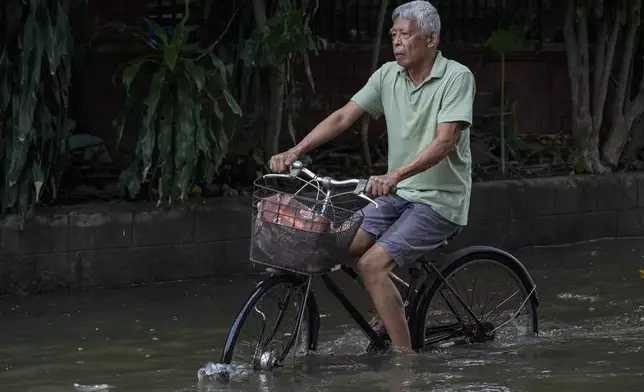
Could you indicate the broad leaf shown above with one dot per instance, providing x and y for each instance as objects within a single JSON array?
[
  {"x": 130, "y": 72},
  {"x": 38, "y": 177},
  {"x": 196, "y": 73},
  {"x": 147, "y": 141},
  {"x": 232, "y": 103},
  {"x": 158, "y": 31},
  {"x": 219, "y": 65}
]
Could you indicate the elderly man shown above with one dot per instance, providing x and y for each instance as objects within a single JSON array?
[{"x": 427, "y": 102}]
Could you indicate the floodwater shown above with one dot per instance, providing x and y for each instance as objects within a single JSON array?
[{"x": 157, "y": 337}]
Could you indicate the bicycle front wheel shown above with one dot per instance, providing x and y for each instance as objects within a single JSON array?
[
  {"x": 492, "y": 286},
  {"x": 266, "y": 328}
]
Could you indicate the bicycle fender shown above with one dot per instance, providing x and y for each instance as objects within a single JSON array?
[{"x": 483, "y": 249}]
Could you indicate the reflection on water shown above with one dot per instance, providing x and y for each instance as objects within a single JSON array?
[{"x": 162, "y": 337}]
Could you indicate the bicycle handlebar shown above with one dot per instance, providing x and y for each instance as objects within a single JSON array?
[{"x": 327, "y": 182}]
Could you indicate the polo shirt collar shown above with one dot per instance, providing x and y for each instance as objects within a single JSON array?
[{"x": 438, "y": 70}]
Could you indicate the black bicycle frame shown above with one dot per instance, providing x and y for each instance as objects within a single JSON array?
[
  {"x": 377, "y": 340},
  {"x": 410, "y": 299}
]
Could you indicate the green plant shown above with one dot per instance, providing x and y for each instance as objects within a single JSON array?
[
  {"x": 502, "y": 42},
  {"x": 275, "y": 47},
  {"x": 36, "y": 48},
  {"x": 184, "y": 117}
]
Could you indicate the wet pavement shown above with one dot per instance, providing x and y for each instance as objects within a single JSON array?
[{"x": 157, "y": 337}]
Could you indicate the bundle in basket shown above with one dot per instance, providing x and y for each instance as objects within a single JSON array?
[{"x": 299, "y": 234}]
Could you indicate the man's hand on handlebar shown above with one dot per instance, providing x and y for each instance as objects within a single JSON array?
[
  {"x": 382, "y": 185},
  {"x": 281, "y": 162}
]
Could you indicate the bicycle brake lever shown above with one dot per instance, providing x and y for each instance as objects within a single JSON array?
[
  {"x": 359, "y": 191},
  {"x": 367, "y": 198}
]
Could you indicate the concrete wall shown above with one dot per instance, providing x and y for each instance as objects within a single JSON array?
[{"x": 121, "y": 243}]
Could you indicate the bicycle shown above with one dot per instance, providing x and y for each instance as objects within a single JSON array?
[{"x": 299, "y": 236}]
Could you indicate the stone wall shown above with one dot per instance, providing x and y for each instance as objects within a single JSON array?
[{"x": 121, "y": 243}]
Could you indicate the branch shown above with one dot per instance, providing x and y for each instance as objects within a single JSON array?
[
  {"x": 601, "y": 90},
  {"x": 600, "y": 56},
  {"x": 364, "y": 129},
  {"x": 212, "y": 47},
  {"x": 627, "y": 63},
  {"x": 584, "y": 87},
  {"x": 260, "y": 14},
  {"x": 572, "y": 48},
  {"x": 636, "y": 108},
  {"x": 599, "y": 7},
  {"x": 232, "y": 18}
]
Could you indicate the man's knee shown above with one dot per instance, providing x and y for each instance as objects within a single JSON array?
[
  {"x": 375, "y": 264},
  {"x": 361, "y": 244}
]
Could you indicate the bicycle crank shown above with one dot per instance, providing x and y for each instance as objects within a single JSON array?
[{"x": 478, "y": 335}]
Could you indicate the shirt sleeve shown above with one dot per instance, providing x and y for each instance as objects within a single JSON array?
[
  {"x": 369, "y": 98},
  {"x": 458, "y": 100}
]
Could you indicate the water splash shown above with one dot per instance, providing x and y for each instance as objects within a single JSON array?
[
  {"x": 580, "y": 297},
  {"x": 93, "y": 388},
  {"x": 213, "y": 370}
]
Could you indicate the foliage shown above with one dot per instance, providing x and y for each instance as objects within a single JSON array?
[
  {"x": 502, "y": 42},
  {"x": 184, "y": 118},
  {"x": 506, "y": 40},
  {"x": 527, "y": 155},
  {"x": 275, "y": 48},
  {"x": 285, "y": 37},
  {"x": 36, "y": 48}
]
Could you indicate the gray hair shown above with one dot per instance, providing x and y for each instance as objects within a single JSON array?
[{"x": 423, "y": 12}]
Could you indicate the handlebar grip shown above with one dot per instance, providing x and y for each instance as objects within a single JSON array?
[{"x": 363, "y": 184}]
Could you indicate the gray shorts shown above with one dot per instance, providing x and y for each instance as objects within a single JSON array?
[{"x": 406, "y": 230}]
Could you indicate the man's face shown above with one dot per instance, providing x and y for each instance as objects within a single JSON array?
[{"x": 409, "y": 44}]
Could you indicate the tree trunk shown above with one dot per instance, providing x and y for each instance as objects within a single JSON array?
[
  {"x": 364, "y": 130},
  {"x": 586, "y": 136},
  {"x": 622, "y": 129},
  {"x": 625, "y": 111},
  {"x": 276, "y": 86},
  {"x": 635, "y": 144}
]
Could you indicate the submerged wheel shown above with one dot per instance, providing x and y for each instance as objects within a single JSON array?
[
  {"x": 495, "y": 287},
  {"x": 269, "y": 319}
]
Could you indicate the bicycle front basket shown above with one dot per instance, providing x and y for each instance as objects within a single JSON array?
[{"x": 300, "y": 234}]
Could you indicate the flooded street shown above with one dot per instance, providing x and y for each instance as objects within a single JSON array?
[{"x": 157, "y": 337}]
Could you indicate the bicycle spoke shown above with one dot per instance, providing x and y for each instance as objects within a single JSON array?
[{"x": 495, "y": 304}]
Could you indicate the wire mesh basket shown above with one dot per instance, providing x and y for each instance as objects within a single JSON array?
[{"x": 296, "y": 230}]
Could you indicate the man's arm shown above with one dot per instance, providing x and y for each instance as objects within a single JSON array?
[
  {"x": 336, "y": 123},
  {"x": 454, "y": 115},
  {"x": 366, "y": 100},
  {"x": 332, "y": 126},
  {"x": 446, "y": 138}
]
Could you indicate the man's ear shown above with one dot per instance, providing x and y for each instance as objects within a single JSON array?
[{"x": 432, "y": 39}]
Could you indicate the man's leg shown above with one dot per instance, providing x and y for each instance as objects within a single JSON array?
[
  {"x": 376, "y": 222},
  {"x": 419, "y": 230},
  {"x": 374, "y": 267},
  {"x": 360, "y": 244}
]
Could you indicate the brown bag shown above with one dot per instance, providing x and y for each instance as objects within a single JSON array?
[{"x": 287, "y": 211}]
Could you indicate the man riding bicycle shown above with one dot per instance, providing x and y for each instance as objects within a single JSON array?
[{"x": 427, "y": 101}]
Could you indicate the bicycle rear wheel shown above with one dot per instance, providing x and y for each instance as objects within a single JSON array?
[
  {"x": 508, "y": 309},
  {"x": 278, "y": 331}
]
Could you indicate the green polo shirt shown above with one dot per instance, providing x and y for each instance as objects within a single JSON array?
[{"x": 412, "y": 114}]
